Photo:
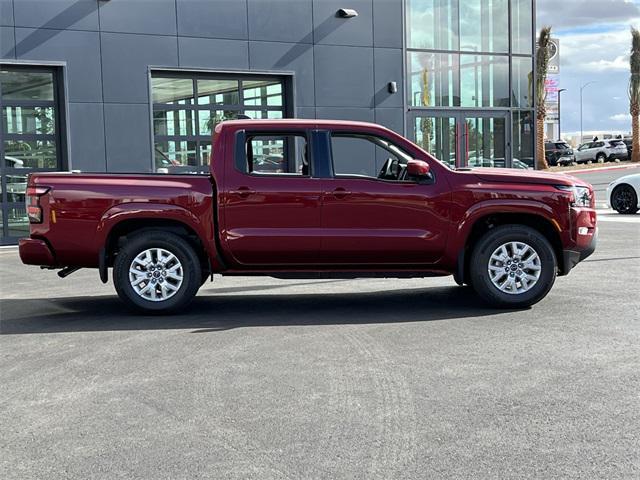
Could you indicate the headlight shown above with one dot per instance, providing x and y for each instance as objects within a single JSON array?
[{"x": 581, "y": 195}]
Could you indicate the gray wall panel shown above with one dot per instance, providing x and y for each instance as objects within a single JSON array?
[
  {"x": 388, "y": 68},
  {"x": 387, "y": 23},
  {"x": 59, "y": 14},
  {"x": 332, "y": 30},
  {"x": 139, "y": 16},
  {"x": 342, "y": 113},
  {"x": 7, "y": 42},
  {"x": 213, "y": 53},
  {"x": 127, "y": 138},
  {"x": 81, "y": 51},
  {"x": 86, "y": 132},
  {"x": 344, "y": 76},
  {"x": 6, "y": 12},
  {"x": 282, "y": 20},
  {"x": 125, "y": 64},
  {"x": 213, "y": 18},
  {"x": 287, "y": 57},
  {"x": 392, "y": 118},
  {"x": 305, "y": 112}
]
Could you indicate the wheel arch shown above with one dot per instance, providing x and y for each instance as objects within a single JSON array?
[
  {"x": 128, "y": 219},
  {"x": 489, "y": 221}
]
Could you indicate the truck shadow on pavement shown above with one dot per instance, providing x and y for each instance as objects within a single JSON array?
[{"x": 213, "y": 313}]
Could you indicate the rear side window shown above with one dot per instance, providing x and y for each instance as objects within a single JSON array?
[
  {"x": 277, "y": 154},
  {"x": 598, "y": 145}
]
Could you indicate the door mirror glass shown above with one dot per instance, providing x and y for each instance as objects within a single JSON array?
[{"x": 418, "y": 169}]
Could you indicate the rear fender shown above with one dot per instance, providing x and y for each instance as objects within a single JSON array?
[{"x": 151, "y": 211}]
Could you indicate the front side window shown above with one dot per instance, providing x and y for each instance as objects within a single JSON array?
[
  {"x": 277, "y": 154},
  {"x": 30, "y": 138},
  {"x": 368, "y": 156},
  {"x": 186, "y": 109}
]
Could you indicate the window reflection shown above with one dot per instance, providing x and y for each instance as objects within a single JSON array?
[
  {"x": 434, "y": 79},
  {"x": 433, "y": 24},
  {"x": 484, "y": 80},
  {"x": 522, "y": 74},
  {"x": 484, "y": 26},
  {"x": 521, "y": 26}
]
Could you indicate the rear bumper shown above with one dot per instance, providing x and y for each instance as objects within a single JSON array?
[
  {"x": 572, "y": 257},
  {"x": 35, "y": 252}
]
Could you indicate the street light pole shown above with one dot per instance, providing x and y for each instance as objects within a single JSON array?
[
  {"x": 581, "y": 90},
  {"x": 560, "y": 113}
]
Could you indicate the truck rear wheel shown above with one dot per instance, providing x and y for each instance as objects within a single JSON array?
[
  {"x": 513, "y": 266},
  {"x": 157, "y": 272}
]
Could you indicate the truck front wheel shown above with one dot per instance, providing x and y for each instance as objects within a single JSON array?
[
  {"x": 513, "y": 266},
  {"x": 157, "y": 272}
]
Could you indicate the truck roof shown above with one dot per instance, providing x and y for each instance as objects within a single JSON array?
[{"x": 298, "y": 122}]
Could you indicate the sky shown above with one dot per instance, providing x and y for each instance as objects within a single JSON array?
[{"x": 595, "y": 41}]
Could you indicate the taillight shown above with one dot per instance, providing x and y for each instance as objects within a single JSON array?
[{"x": 34, "y": 210}]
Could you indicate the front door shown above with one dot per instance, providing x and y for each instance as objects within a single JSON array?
[
  {"x": 464, "y": 138},
  {"x": 271, "y": 213},
  {"x": 372, "y": 214}
]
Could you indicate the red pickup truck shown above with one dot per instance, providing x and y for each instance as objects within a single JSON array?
[{"x": 309, "y": 198}]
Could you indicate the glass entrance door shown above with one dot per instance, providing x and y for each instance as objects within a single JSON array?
[{"x": 463, "y": 138}]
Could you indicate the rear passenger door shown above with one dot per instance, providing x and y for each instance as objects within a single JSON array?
[{"x": 271, "y": 213}]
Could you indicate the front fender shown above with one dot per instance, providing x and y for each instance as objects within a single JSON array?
[{"x": 493, "y": 207}]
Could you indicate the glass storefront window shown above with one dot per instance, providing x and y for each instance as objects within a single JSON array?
[
  {"x": 186, "y": 108},
  {"x": 484, "y": 26},
  {"x": 33, "y": 120},
  {"x": 522, "y": 27},
  {"x": 34, "y": 154},
  {"x": 484, "y": 80},
  {"x": 437, "y": 135},
  {"x": 433, "y": 24},
  {"x": 523, "y": 140},
  {"x": 208, "y": 119},
  {"x": 29, "y": 133},
  {"x": 522, "y": 82},
  {"x": 25, "y": 85},
  {"x": 172, "y": 91},
  {"x": 218, "y": 92},
  {"x": 434, "y": 79}
]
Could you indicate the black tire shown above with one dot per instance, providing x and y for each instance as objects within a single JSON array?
[
  {"x": 624, "y": 199},
  {"x": 601, "y": 158},
  {"x": 493, "y": 239},
  {"x": 192, "y": 273}
]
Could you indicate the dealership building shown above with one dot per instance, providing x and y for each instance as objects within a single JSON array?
[{"x": 137, "y": 85}]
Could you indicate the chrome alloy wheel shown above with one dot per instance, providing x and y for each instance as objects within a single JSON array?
[
  {"x": 514, "y": 268},
  {"x": 156, "y": 274}
]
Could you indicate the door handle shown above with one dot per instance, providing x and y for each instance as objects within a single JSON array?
[
  {"x": 340, "y": 192},
  {"x": 243, "y": 192}
]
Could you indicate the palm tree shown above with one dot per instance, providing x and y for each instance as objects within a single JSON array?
[
  {"x": 542, "y": 64},
  {"x": 634, "y": 93}
]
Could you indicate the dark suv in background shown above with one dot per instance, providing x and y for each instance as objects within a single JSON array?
[
  {"x": 629, "y": 144},
  {"x": 558, "y": 153}
]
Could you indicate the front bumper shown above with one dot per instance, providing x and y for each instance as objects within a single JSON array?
[
  {"x": 36, "y": 252},
  {"x": 572, "y": 257}
]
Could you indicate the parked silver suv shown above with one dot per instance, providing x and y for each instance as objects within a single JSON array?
[{"x": 602, "y": 151}]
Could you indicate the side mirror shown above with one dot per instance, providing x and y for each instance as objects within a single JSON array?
[{"x": 418, "y": 169}]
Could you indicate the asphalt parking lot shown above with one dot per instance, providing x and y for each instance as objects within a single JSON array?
[{"x": 266, "y": 378}]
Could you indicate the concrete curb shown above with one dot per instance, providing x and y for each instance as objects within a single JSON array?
[{"x": 603, "y": 169}]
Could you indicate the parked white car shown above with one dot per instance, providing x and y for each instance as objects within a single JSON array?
[
  {"x": 602, "y": 151},
  {"x": 623, "y": 194}
]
